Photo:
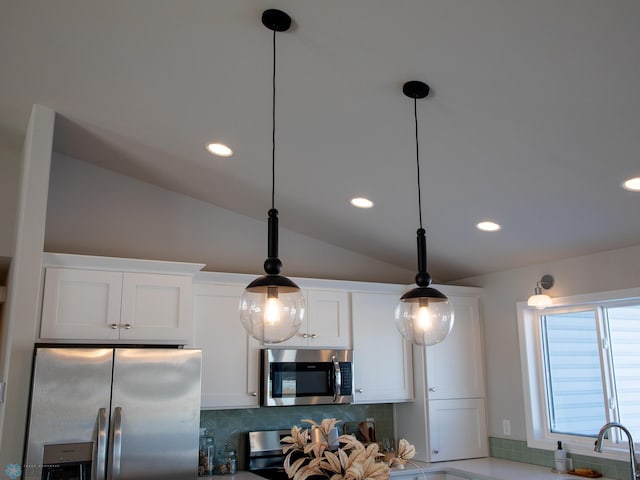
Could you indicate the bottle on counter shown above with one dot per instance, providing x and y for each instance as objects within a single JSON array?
[
  {"x": 207, "y": 455},
  {"x": 561, "y": 458},
  {"x": 227, "y": 461}
]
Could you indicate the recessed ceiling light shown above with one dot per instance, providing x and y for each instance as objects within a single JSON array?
[
  {"x": 361, "y": 202},
  {"x": 219, "y": 149},
  {"x": 488, "y": 226},
  {"x": 632, "y": 184}
]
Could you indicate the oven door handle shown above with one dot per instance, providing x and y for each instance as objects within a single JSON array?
[{"x": 337, "y": 379}]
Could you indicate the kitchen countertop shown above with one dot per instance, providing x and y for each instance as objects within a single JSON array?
[
  {"x": 477, "y": 469},
  {"x": 488, "y": 469}
]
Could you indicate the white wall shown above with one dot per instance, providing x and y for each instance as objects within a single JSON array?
[
  {"x": 95, "y": 211},
  {"x": 23, "y": 292},
  {"x": 9, "y": 185},
  {"x": 613, "y": 270}
]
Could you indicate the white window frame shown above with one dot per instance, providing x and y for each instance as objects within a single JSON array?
[{"x": 533, "y": 377}]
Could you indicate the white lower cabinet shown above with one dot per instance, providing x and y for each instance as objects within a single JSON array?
[
  {"x": 457, "y": 429},
  {"x": 110, "y": 305},
  {"x": 230, "y": 357},
  {"x": 447, "y": 421},
  {"x": 381, "y": 356}
]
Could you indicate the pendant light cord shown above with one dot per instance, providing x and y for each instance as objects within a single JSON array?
[
  {"x": 273, "y": 126},
  {"x": 415, "y": 117}
]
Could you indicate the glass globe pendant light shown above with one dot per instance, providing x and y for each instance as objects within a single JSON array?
[
  {"x": 272, "y": 306},
  {"x": 424, "y": 315}
]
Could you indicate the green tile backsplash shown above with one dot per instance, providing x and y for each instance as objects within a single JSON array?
[
  {"x": 518, "y": 451},
  {"x": 230, "y": 426}
]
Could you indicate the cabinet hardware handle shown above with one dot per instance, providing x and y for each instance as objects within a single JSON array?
[
  {"x": 127, "y": 326},
  {"x": 114, "y": 326},
  {"x": 313, "y": 335},
  {"x": 254, "y": 394},
  {"x": 359, "y": 390},
  {"x": 435, "y": 452},
  {"x": 303, "y": 335},
  {"x": 432, "y": 389}
]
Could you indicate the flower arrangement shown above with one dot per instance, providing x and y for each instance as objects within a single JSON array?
[{"x": 351, "y": 460}]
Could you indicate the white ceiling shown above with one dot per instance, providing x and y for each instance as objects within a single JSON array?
[{"x": 532, "y": 120}]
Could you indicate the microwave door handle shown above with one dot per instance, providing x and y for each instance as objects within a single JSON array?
[
  {"x": 116, "y": 445},
  {"x": 337, "y": 379},
  {"x": 101, "y": 454}
]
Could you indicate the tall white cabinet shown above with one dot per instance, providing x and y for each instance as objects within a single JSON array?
[
  {"x": 230, "y": 357},
  {"x": 447, "y": 420},
  {"x": 382, "y": 357}
]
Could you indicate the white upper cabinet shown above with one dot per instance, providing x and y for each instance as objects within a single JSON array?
[
  {"x": 455, "y": 366},
  {"x": 382, "y": 358},
  {"x": 81, "y": 304},
  {"x": 230, "y": 357},
  {"x": 326, "y": 322},
  {"x": 111, "y": 304}
]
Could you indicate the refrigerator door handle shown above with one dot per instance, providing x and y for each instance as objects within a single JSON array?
[
  {"x": 101, "y": 457},
  {"x": 116, "y": 445}
]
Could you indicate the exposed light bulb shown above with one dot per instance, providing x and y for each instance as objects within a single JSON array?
[
  {"x": 424, "y": 322},
  {"x": 272, "y": 311}
]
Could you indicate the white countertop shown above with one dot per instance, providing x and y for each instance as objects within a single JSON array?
[
  {"x": 488, "y": 469},
  {"x": 478, "y": 469}
]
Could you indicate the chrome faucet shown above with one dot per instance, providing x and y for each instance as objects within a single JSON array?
[{"x": 635, "y": 473}]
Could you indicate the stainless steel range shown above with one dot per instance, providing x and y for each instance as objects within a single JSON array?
[{"x": 264, "y": 454}]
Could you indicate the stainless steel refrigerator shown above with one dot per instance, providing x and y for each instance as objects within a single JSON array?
[{"x": 113, "y": 414}]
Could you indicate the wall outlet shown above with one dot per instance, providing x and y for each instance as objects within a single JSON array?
[{"x": 506, "y": 426}]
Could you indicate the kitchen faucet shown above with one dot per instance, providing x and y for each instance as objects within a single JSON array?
[{"x": 635, "y": 473}]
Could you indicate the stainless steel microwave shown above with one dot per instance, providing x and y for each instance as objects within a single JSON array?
[{"x": 306, "y": 377}]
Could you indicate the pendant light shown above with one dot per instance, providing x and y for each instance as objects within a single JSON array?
[
  {"x": 424, "y": 315},
  {"x": 272, "y": 306}
]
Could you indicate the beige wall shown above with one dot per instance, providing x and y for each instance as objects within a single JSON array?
[{"x": 613, "y": 270}]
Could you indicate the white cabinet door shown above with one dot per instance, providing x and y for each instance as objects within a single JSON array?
[
  {"x": 457, "y": 429},
  {"x": 230, "y": 357},
  {"x": 157, "y": 307},
  {"x": 81, "y": 304},
  {"x": 326, "y": 322},
  {"x": 381, "y": 356},
  {"x": 455, "y": 366},
  {"x": 102, "y": 305}
]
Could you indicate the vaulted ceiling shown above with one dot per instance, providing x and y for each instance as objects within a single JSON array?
[{"x": 532, "y": 120}]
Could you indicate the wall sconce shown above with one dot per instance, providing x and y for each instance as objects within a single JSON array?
[{"x": 539, "y": 300}]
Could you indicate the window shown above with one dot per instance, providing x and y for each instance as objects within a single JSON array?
[
  {"x": 581, "y": 369},
  {"x": 574, "y": 387}
]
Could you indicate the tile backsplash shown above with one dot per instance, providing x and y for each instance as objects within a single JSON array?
[
  {"x": 230, "y": 426},
  {"x": 518, "y": 451}
]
